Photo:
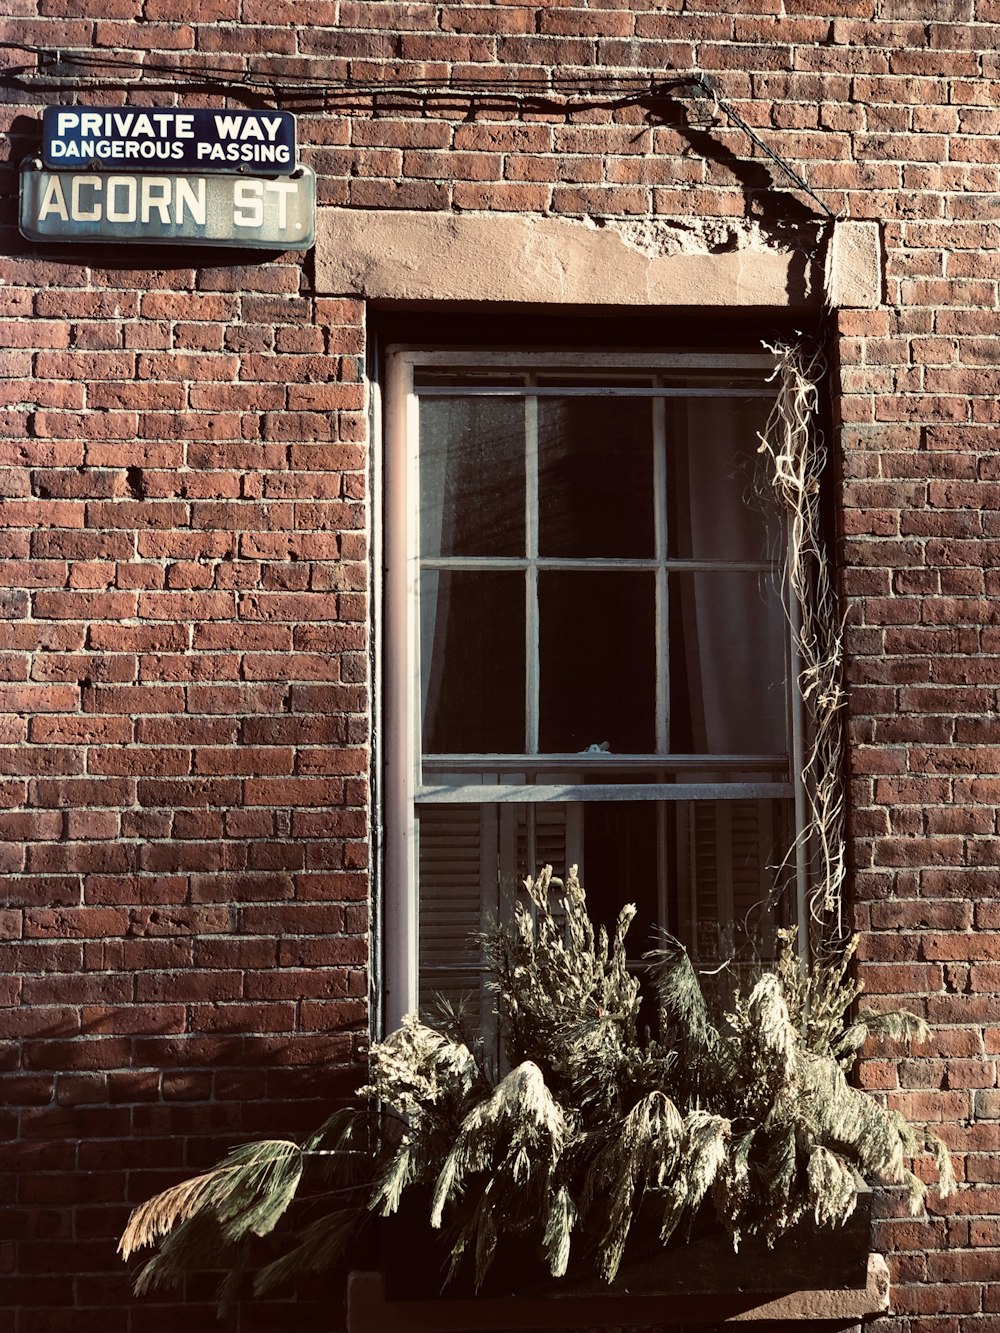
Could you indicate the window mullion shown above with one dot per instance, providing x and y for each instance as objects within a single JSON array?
[
  {"x": 659, "y": 410},
  {"x": 660, "y": 535},
  {"x": 539, "y": 791},
  {"x": 531, "y": 582}
]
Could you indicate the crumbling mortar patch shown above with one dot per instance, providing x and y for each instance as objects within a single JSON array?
[{"x": 659, "y": 237}]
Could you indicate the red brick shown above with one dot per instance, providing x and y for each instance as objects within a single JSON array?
[
  {"x": 38, "y": 698},
  {"x": 84, "y": 605},
  {"x": 79, "y": 730},
  {"x": 41, "y": 513}
]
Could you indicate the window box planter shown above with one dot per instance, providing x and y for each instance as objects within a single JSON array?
[
  {"x": 804, "y": 1258},
  {"x": 369, "y": 1312},
  {"x": 826, "y": 1277},
  {"x": 502, "y": 1163}
]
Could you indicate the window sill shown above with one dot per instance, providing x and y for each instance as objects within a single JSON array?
[{"x": 368, "y": 1311}]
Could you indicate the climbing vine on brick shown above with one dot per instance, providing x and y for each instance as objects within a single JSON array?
[{"x": 794, "y": 444}]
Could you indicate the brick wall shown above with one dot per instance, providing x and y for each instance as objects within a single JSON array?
[
  {"x": 184, "y": 790},
  {"x": 184, "y": 600}
]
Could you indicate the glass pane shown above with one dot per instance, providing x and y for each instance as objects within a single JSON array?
[
  {"x": 727, "y": 664},
  {"x": 451, "y": 906},
  {"x": 433, "y": 376},
  {"x": 721, "y": 377},
  {"x": 594, "y": 379},
  {"x": 597, "y": 651},
  {"x": 618, "y": 865},
  {"x": 719, "y": 502},
  {"x": 472, "y": 661},
  {"x": 471, "y": 476},
  {"x": 595, "y": 477},
  {"x": 473, "y": 861},
  {"x": 461, "y": 991}
]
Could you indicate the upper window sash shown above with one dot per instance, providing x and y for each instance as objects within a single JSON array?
[{"x": 663, "y": 567}]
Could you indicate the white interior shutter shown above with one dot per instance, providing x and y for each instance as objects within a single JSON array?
[
  {"x": 726, "y": 865},
  {"x": 452, "y": 869}
]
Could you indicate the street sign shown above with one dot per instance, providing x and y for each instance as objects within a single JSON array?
[
  {"x": 165, "y": 139},
  {"x": 262, "y": 213}
]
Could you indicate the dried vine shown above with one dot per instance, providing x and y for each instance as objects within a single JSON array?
[{"x": 796, "y": 449}]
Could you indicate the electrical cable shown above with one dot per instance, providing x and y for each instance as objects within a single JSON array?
[{"x": 557, "y": 92}]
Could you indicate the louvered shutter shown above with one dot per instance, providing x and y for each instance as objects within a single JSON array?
[
  {"x": 541, "y": 841},
  {"x": 472, "y": 862},
  {"x": 727, "y": 852},
  {"x": 451, "y": 861}
]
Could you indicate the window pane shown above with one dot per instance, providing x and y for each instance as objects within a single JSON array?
[
  {"x": 597, "y": 649},
  {"x": 594, "y": 379},
  {"x": 720, "y": 377},
  {"x": 484, "y": 378},
  {"x": 472, "y": 661},
  {"x": 452, "y": 908},
  {"x": 618, "y": 865},
  {"x": 598, "y": 661},
  {"x": 595, "y": 477},
  {"x": 727, "y": 664},
  {"x": 719, "y": 502},
  {"x": 471, "y": 476},
  {"x": 473, "y": 861}
]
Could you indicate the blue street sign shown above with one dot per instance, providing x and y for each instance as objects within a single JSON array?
[{"x": 128, "y": 138}]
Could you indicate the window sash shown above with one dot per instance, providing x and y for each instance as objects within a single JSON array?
[
  {"x": 406, "y": 788},
  {"x": 653, "y": 391},
  {"x": 704, "y": 870},
  {"x": 661, "y": 565},
  {"x": 500, "y": 793}
]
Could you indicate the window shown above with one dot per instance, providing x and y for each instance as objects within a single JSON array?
[{"x": 588, "y": 654}]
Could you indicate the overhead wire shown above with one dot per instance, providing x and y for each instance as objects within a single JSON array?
[{"x": 593, "y": 90}]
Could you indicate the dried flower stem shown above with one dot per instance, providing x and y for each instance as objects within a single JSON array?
[{"x": 796, "y": 449}]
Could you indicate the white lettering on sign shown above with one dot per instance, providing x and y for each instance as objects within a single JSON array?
[
  {"x": 53, "y": 202},
  {"x": 104, "y": 124},
  {"x": 258, "y": 212},
  {"x": 249, "y": 204},
  {"x": 244, "y": 152},
  {"x": 241, "y": 127},
  {"x": 87, "y": 150},
  {"x": 151, "y": 138},
  {"x": 126, "y": 199},
  {"x": 248, "y": 196}
]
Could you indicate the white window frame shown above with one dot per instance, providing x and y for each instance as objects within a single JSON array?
[{"x": 404, "y": 785}]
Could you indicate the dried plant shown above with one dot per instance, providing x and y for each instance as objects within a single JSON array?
[
  {"x": 748, "y": 1113},
  {"x": 793, "y": 443}
]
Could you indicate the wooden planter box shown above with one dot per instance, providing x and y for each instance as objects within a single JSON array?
[
  {"x": 826, "y": 1311},
  {"x": 806, "y": 1258}
]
